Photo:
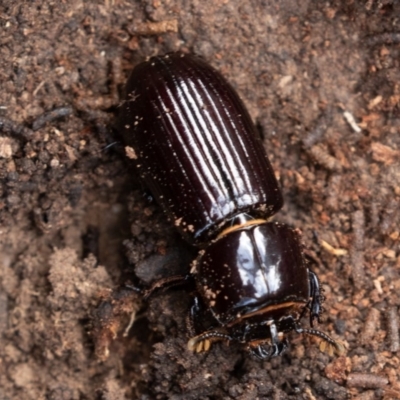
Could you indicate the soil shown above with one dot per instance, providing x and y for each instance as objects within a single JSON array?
[{"x": 75, "y": 222}]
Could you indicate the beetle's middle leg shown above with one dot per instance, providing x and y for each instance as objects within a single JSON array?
[{"x": 168, "y": 283}]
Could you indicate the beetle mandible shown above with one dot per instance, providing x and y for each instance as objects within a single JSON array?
[{"x": 198, "y": 152}]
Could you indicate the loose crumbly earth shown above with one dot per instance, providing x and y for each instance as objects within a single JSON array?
[{"x": 75, "y": 223}]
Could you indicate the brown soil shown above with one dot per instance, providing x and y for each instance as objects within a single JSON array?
[{"x": 74, "y": 222}]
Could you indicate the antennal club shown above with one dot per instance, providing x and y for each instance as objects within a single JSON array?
[{"x": 328, "y": 345}]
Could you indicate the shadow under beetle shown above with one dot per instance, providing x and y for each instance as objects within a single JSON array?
[{"x": 196, "y": 149}]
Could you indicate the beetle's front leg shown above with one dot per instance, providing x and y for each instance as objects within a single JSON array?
[
  {"x": 193, "y": 317},
  {"x": 316, "y": 298}
]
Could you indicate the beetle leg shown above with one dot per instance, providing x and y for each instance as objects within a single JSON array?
[
  {"x": 316, "y": 298},
  {"x": 167, "y": 283},
  {"x": 193, "y": 317}
]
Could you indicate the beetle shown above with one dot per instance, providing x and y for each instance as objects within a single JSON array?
[{"x": 197, "y": 150}]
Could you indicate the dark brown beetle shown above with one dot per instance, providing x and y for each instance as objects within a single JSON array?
[{"x": 197, "y": 151}]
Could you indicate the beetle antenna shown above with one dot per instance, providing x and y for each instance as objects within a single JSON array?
[
  {"x": 327, "y": 345},
  {"x": 203, "y": 342}
]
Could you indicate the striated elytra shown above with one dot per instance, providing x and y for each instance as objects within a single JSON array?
[{"x": 197, "y": 151}]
